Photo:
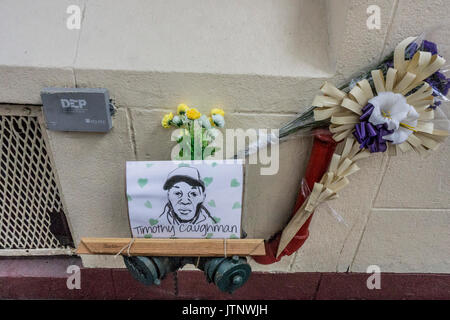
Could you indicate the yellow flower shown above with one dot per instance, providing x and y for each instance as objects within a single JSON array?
[
  {"x": 193, "y": 114},
  {"x": 212, "y": 121},
  {"x": 182, "y": 108},
  {"x": 166, "y": 120},
  {"x": 217, "y": 111}
]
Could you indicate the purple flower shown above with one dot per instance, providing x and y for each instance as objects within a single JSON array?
[
  {"x": 368, "y": 135},
  {"x": 411, "y": 50},
  {"x": 435, "y": 105},
  {"x": 429, "y": 46},
  {"x": 390, "y": 64},
  {"x": 439, "y": 82}
]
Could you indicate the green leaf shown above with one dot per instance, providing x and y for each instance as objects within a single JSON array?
[
  {"x": 153, "y": 221},
  {"x": 236, "y": 205},
  {"x": 148, "y": 236},
  {"x": 209, "y": 235},
  {"x": 209, "y": 151}
]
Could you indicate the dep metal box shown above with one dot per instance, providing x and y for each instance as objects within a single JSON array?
[{"x": 77, "y": 109}]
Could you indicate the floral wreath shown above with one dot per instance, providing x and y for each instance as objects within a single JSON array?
[{"x": 394, "y": 108}]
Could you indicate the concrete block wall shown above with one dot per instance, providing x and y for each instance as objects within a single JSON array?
[{"x": 262, "y": 61}]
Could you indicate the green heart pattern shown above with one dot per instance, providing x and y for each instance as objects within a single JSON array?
[
  {"x": 216, "y": 219},
  {"x": 142, "y": 182},
  {"x": 183, "y": 165},
  {"x": 207, "y": 181},
  {"x": 234, "y": 183},
  {"x": 212, "y": 204},
  {"x": 148, "y": 204}
]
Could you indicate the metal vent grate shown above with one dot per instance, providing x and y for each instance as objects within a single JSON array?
[{"x": 29, "y": 196}]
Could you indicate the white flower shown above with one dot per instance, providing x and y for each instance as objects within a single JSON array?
[
  {"x": 177, "y": 120},
  {"x": 213, "y": 133},
  {"x": 204, "y": 121},
  {"x": 392, "y": 109},
  {"x": 218, "y": 119}
]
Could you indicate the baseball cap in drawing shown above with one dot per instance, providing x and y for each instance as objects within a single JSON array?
[{"x": 189, "y": 175}]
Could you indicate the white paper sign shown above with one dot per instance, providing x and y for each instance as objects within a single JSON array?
[{"x": 185, "y": 199}]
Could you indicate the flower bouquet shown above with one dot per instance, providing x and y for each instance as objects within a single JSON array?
[
  {"x": 196, "y": 132},
  {"x": 415, "y": 61},
  {"x": 394, "y": 108}
]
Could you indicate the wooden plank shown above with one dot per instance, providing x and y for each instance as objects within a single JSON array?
[{"x": 172, "y": 247}]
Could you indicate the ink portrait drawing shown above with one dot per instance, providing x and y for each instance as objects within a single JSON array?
[{"x": 185, "y": 199}]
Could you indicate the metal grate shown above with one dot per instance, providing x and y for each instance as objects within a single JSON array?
[{"x": 29, "y": 196}]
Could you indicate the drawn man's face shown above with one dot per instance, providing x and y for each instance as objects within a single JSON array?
[{"x": 185, "y": 199}]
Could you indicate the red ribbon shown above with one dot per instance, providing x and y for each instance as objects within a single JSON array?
[{"x": 321, "y": 153}]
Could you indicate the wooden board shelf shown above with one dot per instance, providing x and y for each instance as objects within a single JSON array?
[{"x": 172, "y": 247}]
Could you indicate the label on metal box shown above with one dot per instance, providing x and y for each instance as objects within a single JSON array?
[{"x": 77, "y": 109}]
